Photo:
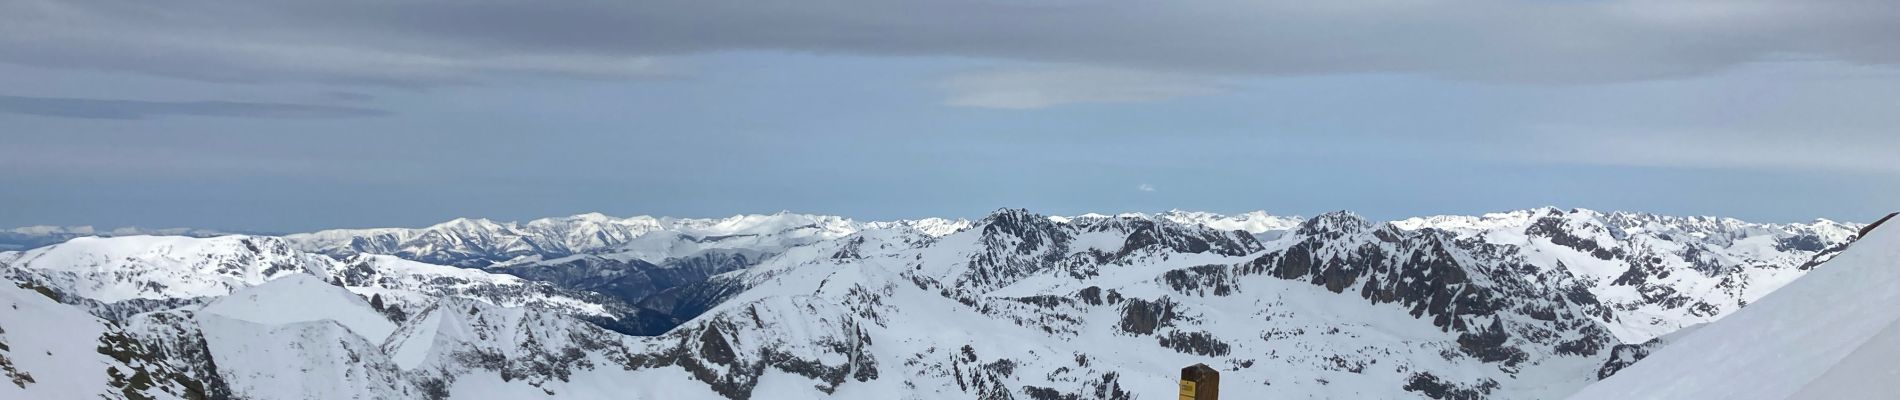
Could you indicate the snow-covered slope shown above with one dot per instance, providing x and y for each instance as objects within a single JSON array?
[
  {"x": 1831, "y": 335},
  {"x": 301, "y": 298},
  {"x": 413, "y": 285},
  {"x": 300, "y": 337},
  {"x": 46, "y": 348},
  {"x": 53, "y": 351}
]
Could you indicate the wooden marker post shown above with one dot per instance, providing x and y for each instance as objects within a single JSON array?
[{"x": 1200, "y": 382}]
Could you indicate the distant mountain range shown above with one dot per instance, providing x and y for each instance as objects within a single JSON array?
[
  {"x": 1533, "y": 303},
  {"x": 28, "y": 237}
]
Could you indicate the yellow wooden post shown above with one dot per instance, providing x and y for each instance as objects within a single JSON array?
[{"x": 1200, "y": 382}]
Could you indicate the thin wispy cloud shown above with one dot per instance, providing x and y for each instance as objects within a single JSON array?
[
  {"x": 1710, "y": 150},
  {"x": 1145, "y": 187},
  {"x": 1033, "y": 88},
  {"x": 345, "y": 96},
  {"x": 139, "y": 109}
]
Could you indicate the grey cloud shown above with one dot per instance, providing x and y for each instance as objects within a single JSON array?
[
  {"x": 337, "y": 95},
  {"x": 439, "y": 41},
  {"x": 275, "y": 42},
  {"x": 1030, "y": 88},
  {"x": 139, "y": 109},
  {"x": 1727, "y": 149}
]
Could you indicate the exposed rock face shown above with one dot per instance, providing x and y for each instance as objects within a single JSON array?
[
  {"x": 1622, "y": 356},
  {"x": 730, "y": 357},
  {"x": 691, "y": 300},
  {"x": 50, "y": 350},
  {"x": 1555, "y": 229},
  {"x": 655, "y": 290},
  {"x": 1431, "y": 386},
  {"x": 1202, "y": 280},
  {"x": 1652, "y": 274},
  {"x": 631, "y": 280},
  {"x": 1502, "y": 308},
  {"x": 1197, "y": 343},
  {"x": 168, "y": 341},
  {"x": 1014, "y": 244},
  {"x": 1142, "y": 317}
]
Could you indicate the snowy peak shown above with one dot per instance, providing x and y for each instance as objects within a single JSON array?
[
  {"x": 302, "y": 298},
  {"x": 1014, "y": 217},
  {"x": 1012, "y": 244},
  {"x": 929, "y": 227},
  {"x": 1488, "y": 221},
  {"x": 1017, "y": 231},
  {"x": 756, "y": 224},
  {"x": 466, "y": 225},
  {"x": 162, "y": 267},
  {"x": 309, "y": 359},
  {"x": 1255, "y": 222},
  {"x": 1339, "y": 222},
  {"x": 457, "y": 327},
  {"x": 1156, "y": 235}
]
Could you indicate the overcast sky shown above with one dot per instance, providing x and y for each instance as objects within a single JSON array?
[{"x": 298, "y": 115}]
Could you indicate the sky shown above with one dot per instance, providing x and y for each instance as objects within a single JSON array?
[{"x": 287, "y": 116}]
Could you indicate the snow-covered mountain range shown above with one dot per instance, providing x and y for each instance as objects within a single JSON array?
[
  {"x": 1526, "y": 304},
  {"x": 28, "y": 237}
]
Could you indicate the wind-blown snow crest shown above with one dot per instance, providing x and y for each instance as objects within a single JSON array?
[{"x": 302, "y": 298}]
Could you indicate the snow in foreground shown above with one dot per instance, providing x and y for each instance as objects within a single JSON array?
[{"x": 1831, "y": 335}]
